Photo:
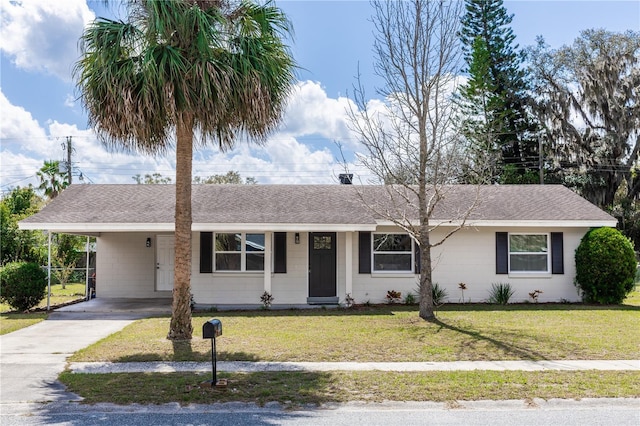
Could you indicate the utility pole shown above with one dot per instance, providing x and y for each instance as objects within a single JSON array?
[
  {"x": 540, "y": 163},
  {"x": 69, "y": 148}
]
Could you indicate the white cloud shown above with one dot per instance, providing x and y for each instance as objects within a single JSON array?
[
  {"x": 42, "y": 35},
  {"x": 300, "y": 154},
  {"x": 70, "y": 101},
  {"x": 16, "y": 123},
  {"x": 311, "y": 112}
]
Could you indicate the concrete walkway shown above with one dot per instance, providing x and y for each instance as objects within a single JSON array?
[
  {"x": 32, "y": 358},
  {"x": 251, "y": 367}
]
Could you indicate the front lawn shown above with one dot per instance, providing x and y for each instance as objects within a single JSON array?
[
  {"x": 11, "y": 321},
  {"x": 394, "y": 333},
  {"x": 294, "y": 389},
  {"x": 15, "y": 321},
  {"x": 59, "y": 296},
  {"x": 388, "y": 333}
]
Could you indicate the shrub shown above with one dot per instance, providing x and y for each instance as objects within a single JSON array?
[
  {"x": 22, "y": 285},
  {"x": 605, "y": 266},
  {"x": 266, "y": 299},
  {"x": 534, "y": 295},
  {"x": 501, "y": 293},
  {"x": 349, "y": 301},
  {"x": 393, "y": 296},
  {"x": 410, "y": 299},
  {"x": 439, "y": 294}
]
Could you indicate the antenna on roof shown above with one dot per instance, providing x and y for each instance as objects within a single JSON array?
[{"x": 346, "y": 178}]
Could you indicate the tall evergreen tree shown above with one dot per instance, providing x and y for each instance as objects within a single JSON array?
[{"x": 496, "y": 122}]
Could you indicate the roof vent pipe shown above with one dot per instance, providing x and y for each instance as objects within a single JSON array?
[{"x": 346, "y": 178}]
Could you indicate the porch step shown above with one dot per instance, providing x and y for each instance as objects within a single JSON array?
[{"x": 323, "y": 300}]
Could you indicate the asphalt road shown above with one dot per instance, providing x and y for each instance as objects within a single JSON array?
[{"x": 614, "y": 412}]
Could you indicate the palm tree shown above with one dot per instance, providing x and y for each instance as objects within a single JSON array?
[
  {"x": 210, "y": 69},
  {"x": 52, "y": 182}
]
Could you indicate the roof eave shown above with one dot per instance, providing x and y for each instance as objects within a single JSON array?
[
  {"x": 97, "y": 228},
  {"x": 94, "y": 228},
  {"x": 560, "y": 223}
]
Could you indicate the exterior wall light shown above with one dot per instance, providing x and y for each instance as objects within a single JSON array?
[
  {"x": 297, "y": 238},
  {"x": 148, "y": 243}
]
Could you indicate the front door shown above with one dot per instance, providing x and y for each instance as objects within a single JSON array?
[
  {"x": 322, "y": 264},
  {"x": 165, "y": 258}
]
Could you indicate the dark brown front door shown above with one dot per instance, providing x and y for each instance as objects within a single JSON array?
[{"x": 322, "y": 264}]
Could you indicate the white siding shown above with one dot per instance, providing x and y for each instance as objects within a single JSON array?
[
  {"x": 292, "y": 287},
  {"x": 125, "y": 267},
  {"x": 469, "y": 256},
  {"x": 373, "y": 287},
  {"x": 246, "y": 288}
]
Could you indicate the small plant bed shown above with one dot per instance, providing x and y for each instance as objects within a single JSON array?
[{"x": 295, "y": 389}]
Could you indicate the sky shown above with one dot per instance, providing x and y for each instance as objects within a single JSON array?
[{"x": 332, "y": 44}]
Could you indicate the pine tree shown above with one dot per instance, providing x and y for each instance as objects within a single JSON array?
[{"x": 496, "y": 121}]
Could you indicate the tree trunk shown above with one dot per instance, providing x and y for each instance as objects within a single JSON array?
[
  {"x": 426, "y": 284},
  {"x": 181, "y": 328}
]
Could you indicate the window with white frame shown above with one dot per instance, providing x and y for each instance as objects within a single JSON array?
[
  {"x": 528, "y": 253},
  {"x": 239, "y": 251},
  {"x": 392, "y": 253}
]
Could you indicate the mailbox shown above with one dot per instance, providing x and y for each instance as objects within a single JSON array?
[{"x": 212, "y": 329}]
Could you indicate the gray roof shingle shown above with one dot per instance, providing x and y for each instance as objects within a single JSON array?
[{"x": 308, "y": 204}]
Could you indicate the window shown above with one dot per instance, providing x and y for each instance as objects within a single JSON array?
[
  {"x": 392, "y": 253},
  {"x": 239, "y": 252},
  {"x": 528, "y": 253},
  {"x": 322, "y": 242}
]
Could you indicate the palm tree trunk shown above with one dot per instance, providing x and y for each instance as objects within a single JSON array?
[{"x": 181, "y": 328}]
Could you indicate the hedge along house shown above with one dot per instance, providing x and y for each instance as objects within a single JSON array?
[{"x": 315, "y": 244}]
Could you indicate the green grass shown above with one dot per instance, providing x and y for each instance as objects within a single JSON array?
[
  {"x": 294, "y": 389},
  {"x": 390, "y": 333},
  {"x": 633, "y": 299},
  {"x": 59, "y": 296},
  {"x": 11, "y": 321}
]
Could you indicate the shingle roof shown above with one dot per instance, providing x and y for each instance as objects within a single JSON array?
[{"x": 118, "y": 205}]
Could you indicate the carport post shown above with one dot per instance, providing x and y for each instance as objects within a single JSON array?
[
  {"x": 49, "y": 271},
  {"x": 86, "y": 274}
]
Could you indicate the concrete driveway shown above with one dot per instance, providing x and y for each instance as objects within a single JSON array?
[{"x": 32, "y": 358}]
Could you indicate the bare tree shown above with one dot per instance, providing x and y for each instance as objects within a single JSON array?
[{"x": 409, "y": 140}]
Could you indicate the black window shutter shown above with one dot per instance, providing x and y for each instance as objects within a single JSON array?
[
  {"x": 557, "y": 253},
  {"x": 280, "y": 252},
  {"x": 417, "y": 262},
  {"x": 206, "y": 252},
  {"x": 502, "y": 253},
  {"x": 364, "y": 252}
]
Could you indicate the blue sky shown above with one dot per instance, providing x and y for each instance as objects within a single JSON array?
[{"x": 38, "y": 107}]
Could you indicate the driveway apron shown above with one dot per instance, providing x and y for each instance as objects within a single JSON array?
[{"x": 32, "y": 358}]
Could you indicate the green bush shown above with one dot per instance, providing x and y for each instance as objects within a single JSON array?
[
  {"x": 500, "y": 293},
  {"x": 22, "y": 285},
  {"x": 605, "y": 266},
  {"x": 439, "y": 294}
]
